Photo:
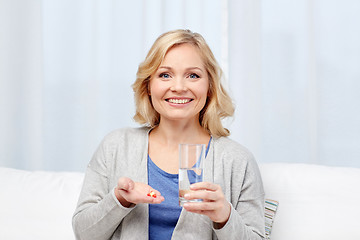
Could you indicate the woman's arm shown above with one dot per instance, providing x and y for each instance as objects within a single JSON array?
[
  {"x": 244, "y": 222},
  {"x": 237, "y": 206},
  {"x": 98, "y": 212},
  {"x": 101, "y": 207},
  {"x": 246, "y": 219}
]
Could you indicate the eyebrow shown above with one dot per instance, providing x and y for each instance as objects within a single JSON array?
[{"x": 190, "y": 68}]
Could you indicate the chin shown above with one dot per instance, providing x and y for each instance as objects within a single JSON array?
[{"x": 181, "y": 117}]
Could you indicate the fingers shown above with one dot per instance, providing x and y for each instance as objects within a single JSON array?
[
  {"x": 204, "y": 190},
  {"x": 157, "y": 200},
  {"x": 214, "y": 204},
  {"x": 154, "y": 197},
  {"x": 205, "y": 195},
  {"x": 204, "y": 186},
  {"x": 218, "y": 212},
  {"x": 199, "y": 206},
  {"x": 129, "y": 191}
]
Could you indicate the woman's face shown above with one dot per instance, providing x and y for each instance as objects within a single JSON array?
[{"x": 179, "y": 87}]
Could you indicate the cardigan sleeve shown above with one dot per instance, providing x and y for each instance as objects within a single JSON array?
[
  {"x": 236, "y": 228},
  {"x": 98, "y": 212},
  {"x": 246, "y": 221}
]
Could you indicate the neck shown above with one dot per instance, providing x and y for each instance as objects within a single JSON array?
[{"x": 174, "y": 133}]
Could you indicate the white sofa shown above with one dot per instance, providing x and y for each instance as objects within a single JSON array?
[{"x": 315, "y": 202}]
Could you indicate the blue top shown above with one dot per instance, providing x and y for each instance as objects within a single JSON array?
[{"x": 163, "y": 217}]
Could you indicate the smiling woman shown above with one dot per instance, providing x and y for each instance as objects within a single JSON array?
[
  {"x": 131, "y": 185},
  {"x": 179, "y": 88},
  {"x": 219, "y": 104}
]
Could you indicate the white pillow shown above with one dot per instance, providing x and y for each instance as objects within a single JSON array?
[
  {"x": 270, "y": 212},
  {"x": 37, "y": 205},
  {"x": 316, "y": 202}
]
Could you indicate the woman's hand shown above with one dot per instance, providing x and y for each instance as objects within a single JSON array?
[
  {"x": 214, "y": 204},
  {"x": 129, "y": 193}
]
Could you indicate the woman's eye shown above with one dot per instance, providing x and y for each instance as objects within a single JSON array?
[
  {"x": 164, "y": 75},
  {"x": 193, "y": 75}
]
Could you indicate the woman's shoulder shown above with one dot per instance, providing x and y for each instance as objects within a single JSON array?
[
  {"x": 228, "y": 145},
  {"x": 126, "y": 134},
  {"x": 128, "y": 131},
  {"x": 230, "y": 151}
]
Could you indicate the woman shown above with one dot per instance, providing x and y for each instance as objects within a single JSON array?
[{"x": 180, "y": 99}]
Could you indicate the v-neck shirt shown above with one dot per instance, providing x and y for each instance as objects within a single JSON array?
[{"x": 163, "y": 217}]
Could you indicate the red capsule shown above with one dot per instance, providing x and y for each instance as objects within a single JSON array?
[{"x": 152, "y": 194}]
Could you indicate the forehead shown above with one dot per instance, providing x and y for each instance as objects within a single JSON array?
[{"x": 184, "y": 54}]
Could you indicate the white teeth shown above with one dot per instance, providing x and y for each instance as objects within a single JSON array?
[{"x": 179, "y": 101}]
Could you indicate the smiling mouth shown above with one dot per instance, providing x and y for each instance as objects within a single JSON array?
[{"x": 178, "y": 101}]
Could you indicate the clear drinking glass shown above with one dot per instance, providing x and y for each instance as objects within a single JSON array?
[{"x": 191, "y": 161}]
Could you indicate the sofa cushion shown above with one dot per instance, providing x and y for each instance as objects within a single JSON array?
[
  {"x": 37, "y": 205},
  {"x": 316, "y": 202}
]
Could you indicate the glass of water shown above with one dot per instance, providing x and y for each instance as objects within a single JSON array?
[{"x": 191, "y": 161}]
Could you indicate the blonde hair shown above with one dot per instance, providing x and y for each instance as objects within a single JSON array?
[{"x": 218, "y": 104}]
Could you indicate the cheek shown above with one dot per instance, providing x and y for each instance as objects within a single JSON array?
[
  {"x": 204, "y": 96},
  {"x": 153, "y": 90},
  {"x": 205, "y": 92},
  {"x": 157, "y": 89}
]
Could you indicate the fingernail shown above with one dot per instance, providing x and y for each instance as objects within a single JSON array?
[{"x": 186, "y": 195}]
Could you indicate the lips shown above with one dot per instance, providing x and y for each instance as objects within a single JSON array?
[{"x": 179, "y": 100}]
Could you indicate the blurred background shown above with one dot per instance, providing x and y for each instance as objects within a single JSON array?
[{"x": 66, "y": 69}]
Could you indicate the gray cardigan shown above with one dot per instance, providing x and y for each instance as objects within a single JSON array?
[{"x": 123, "y": 152}]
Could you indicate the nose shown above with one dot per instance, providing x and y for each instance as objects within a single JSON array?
[{"x": 178, "y": 85}]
